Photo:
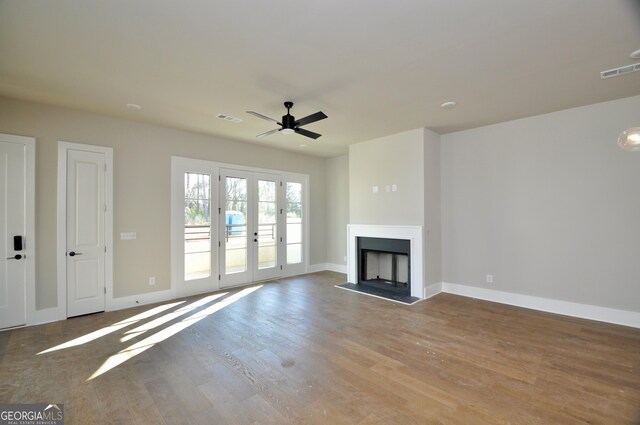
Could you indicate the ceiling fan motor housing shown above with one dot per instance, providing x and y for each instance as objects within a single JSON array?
[{"x": 288, "y": 121}]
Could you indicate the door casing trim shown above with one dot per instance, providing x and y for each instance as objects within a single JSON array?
[{"x": 63, "y": 147}]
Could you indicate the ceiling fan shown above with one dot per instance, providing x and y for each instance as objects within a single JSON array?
[{"x": 289, "y": 124}]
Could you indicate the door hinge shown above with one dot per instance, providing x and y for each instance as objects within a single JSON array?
[
  {"x": 105, "y": 167},
  {"x": 280, "y": 266},
  {"x": 105, "y": 289},
  {"x": 218, "y": 277},
  {"x": 219, "y": 178},
  {"x": 105, "y": 249},
  {"x": 280, "y": 210},
  {"x": 280, "y": 238},
  {"x": 219, "y": 210},
  {"x": 219, "y": 243},
  {"x": 105, "y": 207}
]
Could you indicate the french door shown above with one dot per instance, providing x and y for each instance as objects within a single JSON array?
[
  {"x": 250, "y": 223},
  {"x": 232, "y": 226}
]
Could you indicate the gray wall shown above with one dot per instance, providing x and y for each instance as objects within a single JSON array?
[
  {"x": 549, "y": 205},
  {"x": 396, "y": 159},
  {"x": 337, "y": 208},
  {"x": 432, "y": 209},
  {"x": 142, "y": 172}
]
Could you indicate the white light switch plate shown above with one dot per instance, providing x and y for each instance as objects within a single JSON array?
[{"x": 128, "y": 236}]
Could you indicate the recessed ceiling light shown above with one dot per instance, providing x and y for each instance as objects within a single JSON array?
[
  {"x": 448, "y": 105},
  {"x": 134, "y": 106},
  {"x": 635, "y": 55}
]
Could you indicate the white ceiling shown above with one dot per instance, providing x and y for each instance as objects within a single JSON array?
[{"x": 375, "y": 67}]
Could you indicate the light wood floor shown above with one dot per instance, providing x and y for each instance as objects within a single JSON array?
[{"x": 300, "y": 351}]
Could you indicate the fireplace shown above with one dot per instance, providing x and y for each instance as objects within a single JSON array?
[
  {"x": 411, "y": 237},
  {"x": 385, "y": 264}
]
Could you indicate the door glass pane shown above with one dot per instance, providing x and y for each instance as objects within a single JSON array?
[
  {"x": 294, "y": 222},
  {"x": 267, "y": 224},
  {"x": 235, "y": 225},
  {"x": 197, "y": 226}
]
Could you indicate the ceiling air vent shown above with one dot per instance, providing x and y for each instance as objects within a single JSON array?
[
  {"x": 620, "y": 71},
  {"x": 228, "y": 118}
]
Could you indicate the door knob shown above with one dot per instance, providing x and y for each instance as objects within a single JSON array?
[
  {"x": 15, "y": 257},
  {"x": 73, "y": 253},
  {"x": 255, "y": 240}
]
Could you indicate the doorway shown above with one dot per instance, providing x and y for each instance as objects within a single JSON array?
[
  {"x": 234, "y": 225},
  {"x": 251, "y": 219}
]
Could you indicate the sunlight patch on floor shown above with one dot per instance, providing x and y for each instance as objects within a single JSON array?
[
  {"x": 112, "y": 328},
  {"x": 130, "y": 334},
  {"x": 143, "y": 345}
]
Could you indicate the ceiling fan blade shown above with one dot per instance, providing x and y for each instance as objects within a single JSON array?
[
  {"x": 264, "y": 117},
  {"x": 311, "y": 118},
  {"x": 266, "y": 133},
  {"x": 307, "y": 133}
]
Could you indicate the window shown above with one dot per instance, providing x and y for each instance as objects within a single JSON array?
[
  {"x": 197, "y": 226},
  {"x": 294, "y": 222}
]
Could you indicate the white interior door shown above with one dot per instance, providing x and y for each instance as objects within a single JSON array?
[
  {"x": 13, "y": 263},
  {"x": 85, "y": 253}
]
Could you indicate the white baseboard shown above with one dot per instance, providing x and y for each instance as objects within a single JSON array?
[
  {"x": 431, "y": 290},
  {"x": 583, "y": 311},
  {"x": 338, "y": 268},
  {"x": 47, "y": 315},
  {"x": 320, "y": 267},
  {"x": 140, "y": 299}
]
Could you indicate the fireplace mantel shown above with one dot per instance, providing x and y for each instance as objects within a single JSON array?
[{"x": 411, "y": 233}]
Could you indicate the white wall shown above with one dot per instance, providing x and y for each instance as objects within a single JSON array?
[
  {"x": 142, "y": 173},
  {"x": 337, "y": 208},
  {"x": 549, "y": 205}
]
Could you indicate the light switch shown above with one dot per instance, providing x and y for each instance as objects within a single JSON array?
[
  {"x": 128, "y": 236},
  {"x": 394, "y": 188},
  {"x": 374, "y": 189},
  {"x": 388, "y": 188}
]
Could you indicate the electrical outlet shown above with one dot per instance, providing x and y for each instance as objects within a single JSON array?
[
  {"x": 152, "y": 281},
  {"x": 489, "y": 278}
]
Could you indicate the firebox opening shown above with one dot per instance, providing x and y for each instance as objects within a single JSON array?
[{"x": 384, "y": 263}]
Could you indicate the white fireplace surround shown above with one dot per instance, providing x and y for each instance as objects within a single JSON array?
[{"x": 412, "y": 233}]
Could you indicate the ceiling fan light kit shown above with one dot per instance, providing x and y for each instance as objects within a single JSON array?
[
  {"x": 629, "y": 140},
  {"x": 289, "y": 125}
]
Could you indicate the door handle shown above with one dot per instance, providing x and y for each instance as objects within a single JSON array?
[
  {"x": 15, "y": 257},
  {"x": 255, "y": 240},
  {"x": 73, "y": 253}
]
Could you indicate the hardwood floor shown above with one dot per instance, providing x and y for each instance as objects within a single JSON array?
[{"x": 300, "y": 351}]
